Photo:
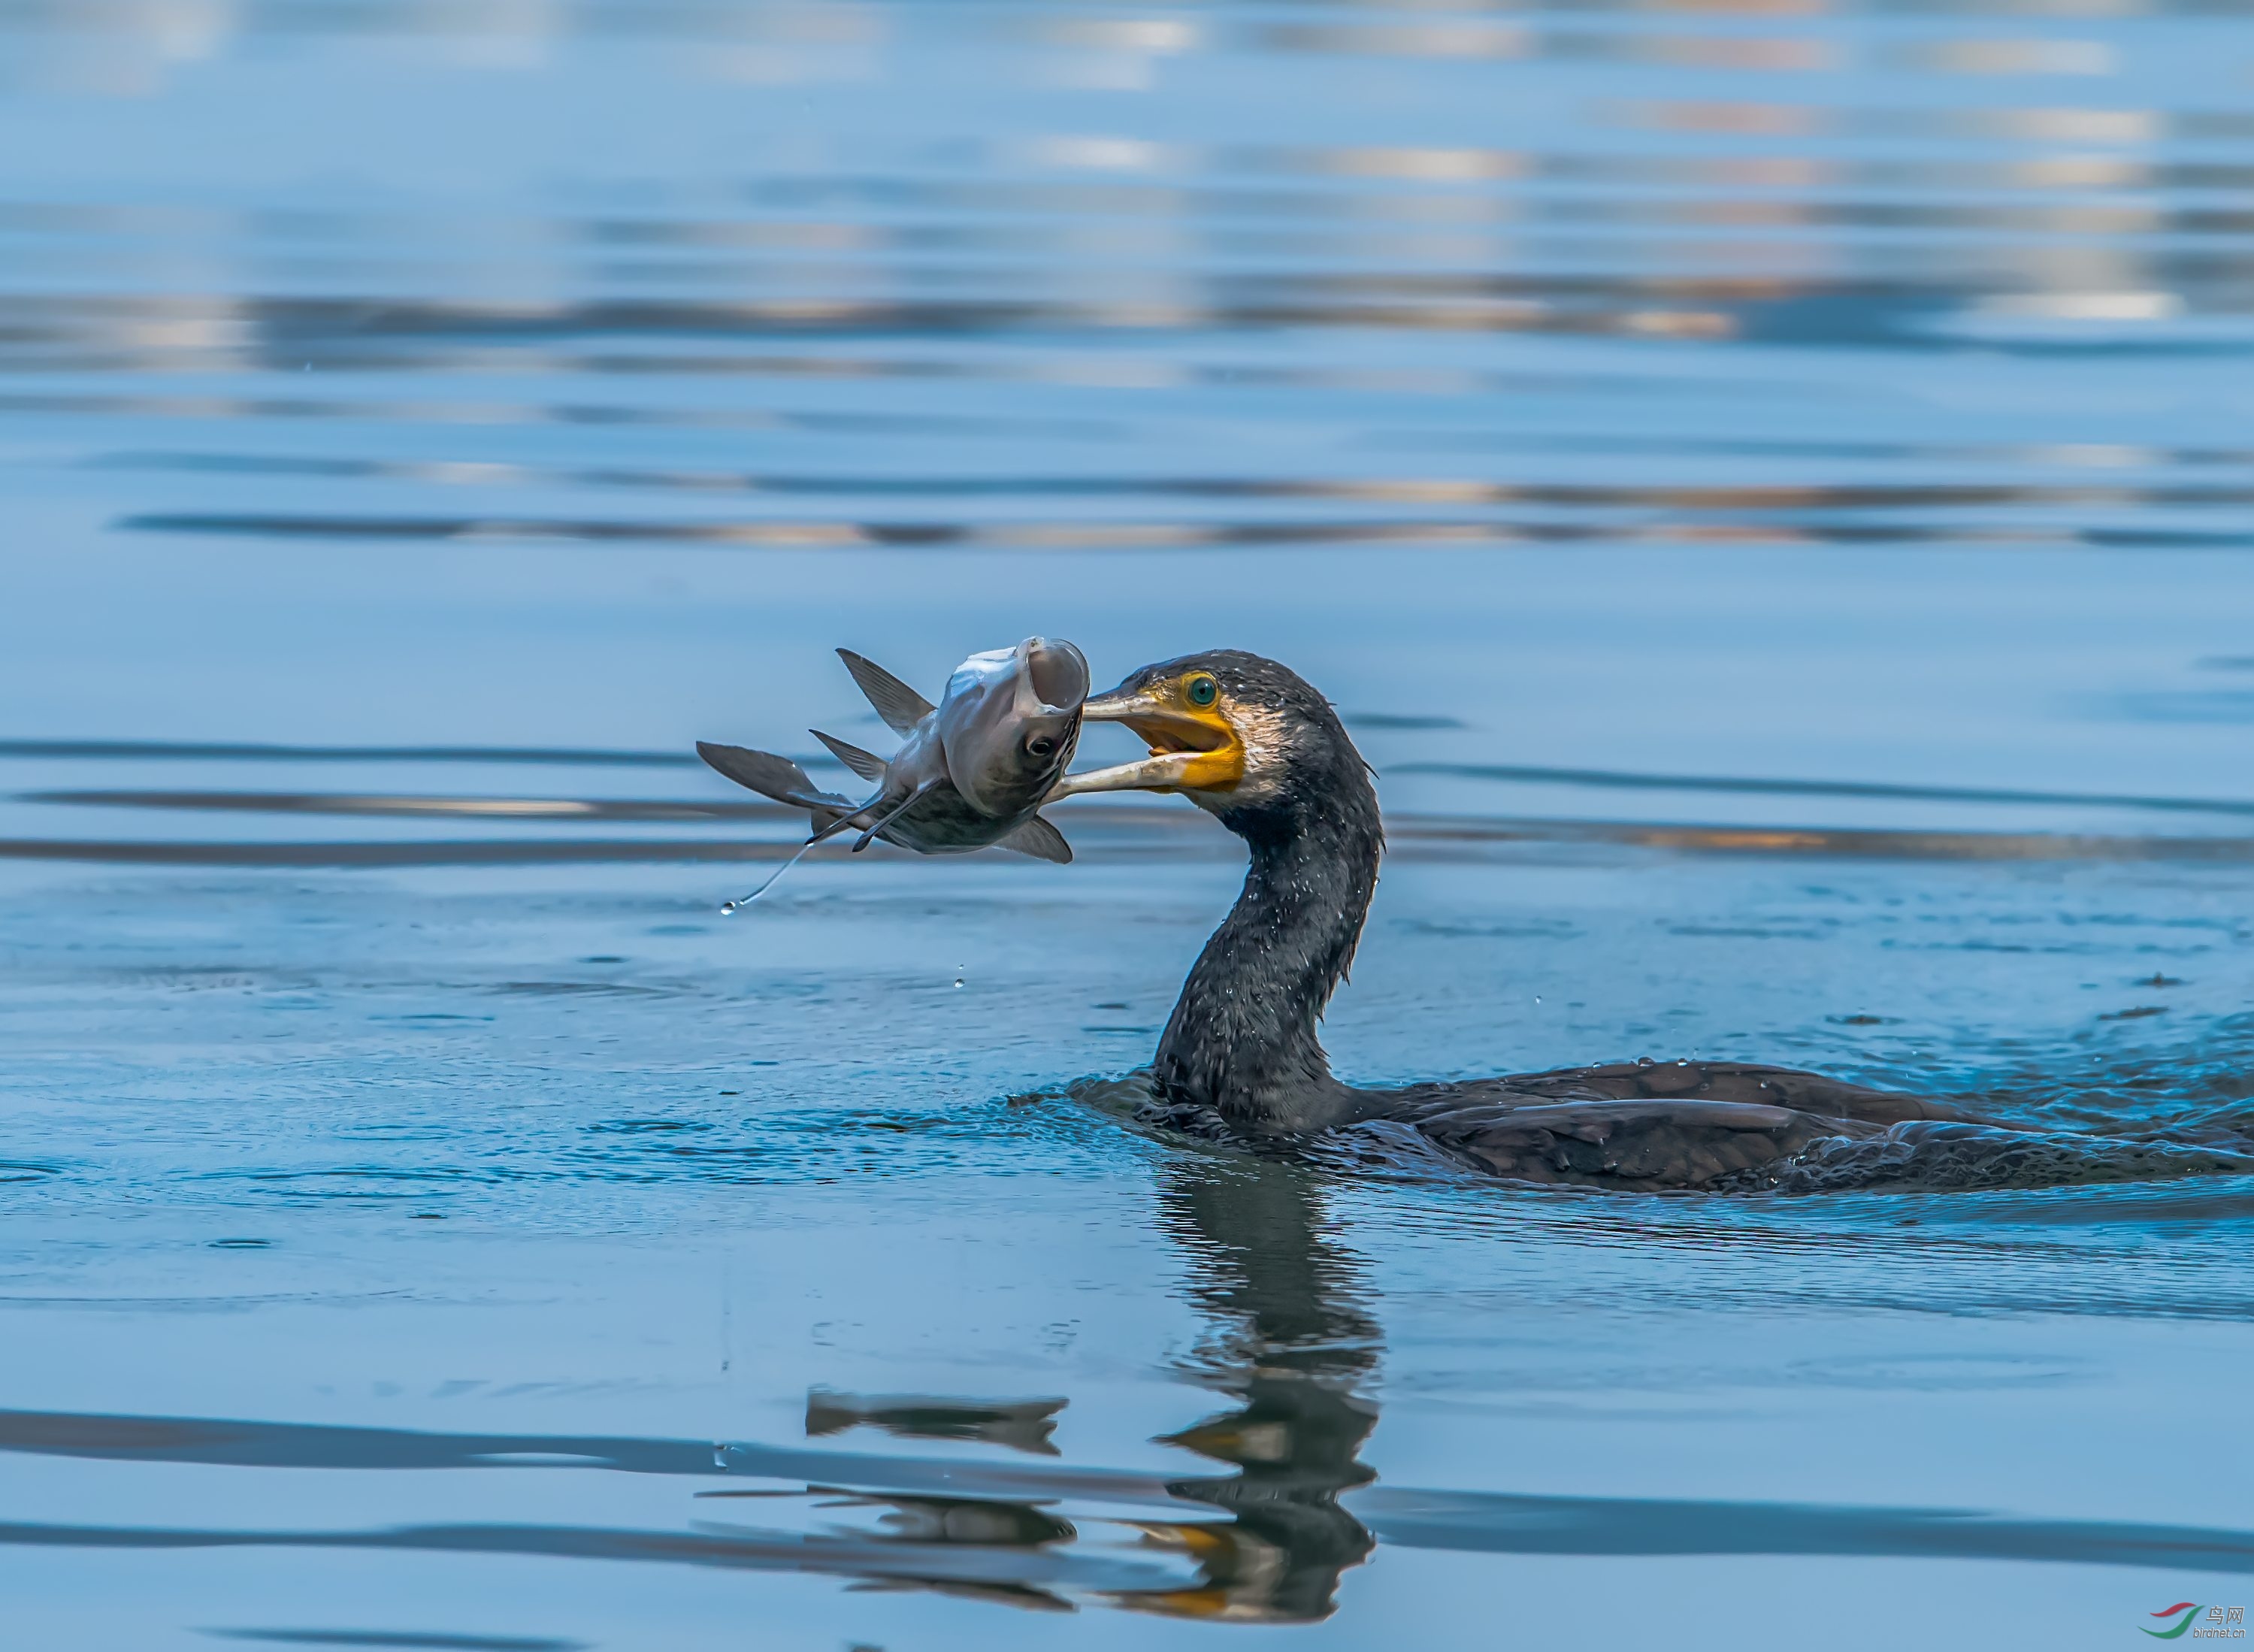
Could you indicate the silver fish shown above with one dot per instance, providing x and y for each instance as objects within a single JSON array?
[{"x": 972, "y": 770}]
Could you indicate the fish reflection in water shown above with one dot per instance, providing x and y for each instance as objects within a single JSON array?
[
  {"x": 1023, "y": 1426},
  {"x": 981, "y": 1526}
]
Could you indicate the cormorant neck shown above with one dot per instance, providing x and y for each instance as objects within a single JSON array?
[{"x": 1241, "y": 1040}]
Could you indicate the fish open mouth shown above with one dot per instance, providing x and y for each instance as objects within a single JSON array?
[{"x": 1058, "y": 673}]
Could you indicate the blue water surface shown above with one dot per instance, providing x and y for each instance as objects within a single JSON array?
[{"x": 1767, "y": 486}]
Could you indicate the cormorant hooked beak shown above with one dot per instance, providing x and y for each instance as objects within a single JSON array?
[{"x": 1194, "y": 744}]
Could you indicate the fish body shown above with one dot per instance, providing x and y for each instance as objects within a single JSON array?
[{"x": 972, "y": 771}]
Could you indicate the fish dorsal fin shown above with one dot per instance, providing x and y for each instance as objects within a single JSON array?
[
  {"x": 867, "y": 765},
  {"x": 770, "y": 776},
  {"x": 900, "y": 706},
  {"x": 1035, "y": 836}
]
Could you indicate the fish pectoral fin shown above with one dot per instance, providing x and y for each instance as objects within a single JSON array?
[
  {"x": 770, "y": 776},
  {"x": 867, "y": 765},
  {"x": 900, "y": 706},
  {"x": 1035, "y": 836},
  {"x": 890, "y": 815}
]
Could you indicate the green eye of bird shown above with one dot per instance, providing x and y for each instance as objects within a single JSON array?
[{"x": 1203, "y": 691}]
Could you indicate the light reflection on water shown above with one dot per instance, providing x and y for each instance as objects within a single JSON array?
[{"x": 1766, "y": 484}]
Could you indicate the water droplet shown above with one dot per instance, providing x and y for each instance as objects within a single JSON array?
[
  {"x": 1679, "y": 1061},
  {"x": 727, "y": 909},
  {"x": 1537, "y": 997},
  {"x": 719, "y": 1455},
  {"x": 1643, "y": 1060},
  {"x": 958, "y": 981}
]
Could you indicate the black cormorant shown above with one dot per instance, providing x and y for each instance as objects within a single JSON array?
[{"x": 1252, "y": 744}]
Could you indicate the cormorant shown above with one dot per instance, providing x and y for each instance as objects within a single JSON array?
[{"x": 1252, "y": 744}]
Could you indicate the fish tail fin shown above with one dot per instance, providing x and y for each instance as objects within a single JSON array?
[{"x": 771, "y": 776}]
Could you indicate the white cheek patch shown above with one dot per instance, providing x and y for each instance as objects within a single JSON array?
[{"x": 1265, "y": 736}]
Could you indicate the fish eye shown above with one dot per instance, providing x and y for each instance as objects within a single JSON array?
[
  {"x": 1040, "y": 745},
  {"x": 1201, "y": 691}
]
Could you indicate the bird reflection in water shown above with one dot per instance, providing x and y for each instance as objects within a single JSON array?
[{"x": 1291, "y": 1344}]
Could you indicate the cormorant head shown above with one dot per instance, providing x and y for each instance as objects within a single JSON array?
[{"x": 1243, "y": 737}]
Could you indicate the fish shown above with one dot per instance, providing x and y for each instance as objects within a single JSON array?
[{"x": 972, "y": 771}]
